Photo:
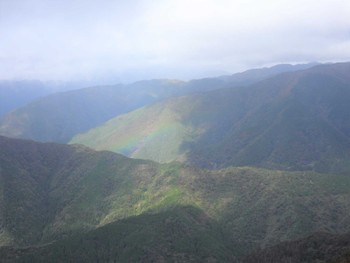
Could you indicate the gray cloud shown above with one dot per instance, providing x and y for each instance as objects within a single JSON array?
[{"x": 75, "y": 39}]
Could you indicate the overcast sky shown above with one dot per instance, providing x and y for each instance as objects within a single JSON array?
[{"x": 142, "y": 39}]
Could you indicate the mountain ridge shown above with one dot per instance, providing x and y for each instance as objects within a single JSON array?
[
  {"x": 245, "y": 126},
  {"x": 60, "y": 116}
]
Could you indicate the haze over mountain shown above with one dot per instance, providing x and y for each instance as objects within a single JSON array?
[
  {"x": 60, "y": 116},
  {"x": 59, "y": 192},
  {"x": 297, "y": 120},
  {"x": 18, "y": 93}
]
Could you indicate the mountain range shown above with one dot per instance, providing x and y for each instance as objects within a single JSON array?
[
  {"x": 293, "y": 121},
  {"x": 60, "y": 116},
  {"x": 252, "y": 167}
]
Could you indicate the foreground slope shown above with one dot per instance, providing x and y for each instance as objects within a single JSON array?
[
  {"x": 181, "y": 234},
  {"x": 49, "y": 191},
  {"x": 293, "y": 121},
  {"x": 168, "y": 240},
  {"x": 319, "y": 247},
  {"x": 52, "y": 192}
]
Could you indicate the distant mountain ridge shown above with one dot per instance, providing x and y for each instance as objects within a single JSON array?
[
  {"x": 60, "y": 116},
  {"x": 254, "y": 75},
  {"x": 183, "y": 234},
  {"x": 296, "y": 121},
  {"x": 18, "y": 93}
]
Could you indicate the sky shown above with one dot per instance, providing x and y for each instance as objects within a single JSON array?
[{"x": 143, "y": 39}]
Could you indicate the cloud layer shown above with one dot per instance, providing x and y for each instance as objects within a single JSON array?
[{"x": 129, "y": 40}]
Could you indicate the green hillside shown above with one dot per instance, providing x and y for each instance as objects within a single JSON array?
[
  {"x": 49, "y": 191},
  {"x": 155, "y": 132},
  {"x": 293, "y": 121},
  {"x": 53, "y": 192}
]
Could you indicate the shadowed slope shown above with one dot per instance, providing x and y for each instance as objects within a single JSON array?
[
  {"x": 319, "y": 247},
  {"x": 182, "y": 234}
]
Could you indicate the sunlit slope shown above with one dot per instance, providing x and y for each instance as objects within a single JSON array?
[
  {"x": 154, "y": 132},
  {"x": 293, "y": 121},
  {"x": 166, "y": 130}
]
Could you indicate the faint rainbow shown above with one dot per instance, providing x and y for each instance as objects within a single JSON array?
[{"x": 132, "y": 143}]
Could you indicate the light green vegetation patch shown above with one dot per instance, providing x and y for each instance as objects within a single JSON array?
[{"x": 156, "y": 133}]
